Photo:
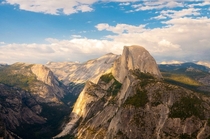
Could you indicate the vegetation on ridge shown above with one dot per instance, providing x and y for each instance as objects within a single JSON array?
[
  {"x": 137, "y": 100},
  {"x": 115, "y": 87},
  {"x": 181, "y": 78},
  {"x": 107, "y": 77},
  {"x": 18, "y": 76},
  {"x": 187, "y": 107}
]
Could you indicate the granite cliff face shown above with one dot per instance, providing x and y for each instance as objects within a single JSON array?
[
  {"x": 135, "y": 57},
  {"x": 51, "y": 90},
  {"x": 132, "y": 101},
  {"x": 74, "y": 75}
]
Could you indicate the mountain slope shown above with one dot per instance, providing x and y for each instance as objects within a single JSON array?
[
  {"x": 31, "y": 101},
  {"x": 136, "y": 103},
  {"x": 18, "y": 107},
  {"x": 37, "y": 79},
  {"x": 193, "y": 76},
  {"x": 75, "y": 75}
]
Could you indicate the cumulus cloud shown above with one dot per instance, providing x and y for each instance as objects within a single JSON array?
[
  {"x": 182, "y": 38},
  {"x": 80, "y": 49}
]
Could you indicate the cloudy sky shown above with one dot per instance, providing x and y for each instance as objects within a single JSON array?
[{"x": 38, "y": 31}]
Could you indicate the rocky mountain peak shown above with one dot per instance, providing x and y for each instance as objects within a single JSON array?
[
  {"x": 135, "y": 57},
  {"x": 43, "y": 73}
]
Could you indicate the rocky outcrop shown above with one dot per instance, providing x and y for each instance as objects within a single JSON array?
[
  {"x": 135, "y": 57},
  {"x": 133, "y": 102},
  {"x": 48, "y": 89}
]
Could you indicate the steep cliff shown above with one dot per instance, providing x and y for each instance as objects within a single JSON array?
[
  {"x": 135, "y": 57},
  {"x": 132, "y": 101}
]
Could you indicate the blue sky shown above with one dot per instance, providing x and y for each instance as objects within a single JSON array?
[{"x": 78, "y": 30}]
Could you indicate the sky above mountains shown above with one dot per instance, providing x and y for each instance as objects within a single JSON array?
[{"x": 37, "y": 31}]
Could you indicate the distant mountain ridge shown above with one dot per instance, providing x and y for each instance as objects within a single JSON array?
[
  {"x": 190, "y": 75},
  {"x": 173, "y": 67}
]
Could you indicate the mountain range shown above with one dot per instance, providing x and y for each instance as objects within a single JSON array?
[{"x": 114, "y": 96}]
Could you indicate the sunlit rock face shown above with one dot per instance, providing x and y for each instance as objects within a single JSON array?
[
  {"x": 73, "y": 74},
  {"x": 48, "y": 89},
  {"x": 133, "y": 102},
  {"x": 91, "y": 70},
  {"x": 90, "y": 94},
  {"x": 135, "y": 57}
]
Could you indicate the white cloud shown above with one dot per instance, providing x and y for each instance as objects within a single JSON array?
[
  {"x": 160, "y": 17},
  {"x": 121, "y": 28},
  {"x": 120, "y": 1},
  {"x": 57, "y": 7},
  {"x": 124, "y": 4},
  {"x": 84, "y": 8},
  {"x": 205, "y": 63},
  {"x": 157, "y": 4},
  {"x": 76, "y": 36},
  {"x": 178, "y": 14},
  {"x": 171, "y": 62},
  {"x": 204, "y": 3},
  {"x": 54, "y": 6}
]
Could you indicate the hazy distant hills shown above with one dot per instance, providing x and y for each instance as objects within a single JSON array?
[
  {"x": 190, "y": 75},
  {"x": 179, "y": 68}
]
